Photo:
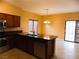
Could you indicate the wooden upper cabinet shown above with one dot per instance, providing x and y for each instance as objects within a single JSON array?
[
  {"x": 2, "y": 16},
  {"x": 9, "y": 20},
  {"x": 16, "y": 20}
]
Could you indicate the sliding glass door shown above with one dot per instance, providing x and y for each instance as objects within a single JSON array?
[{"x": 70, "y": 31}]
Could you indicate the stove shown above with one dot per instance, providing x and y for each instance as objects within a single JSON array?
[
  {"x": 3, "y": 34},
  {"x": 3, "y": 41}
]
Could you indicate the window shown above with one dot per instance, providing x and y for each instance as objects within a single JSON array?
[{"x": 33, "y": 27}]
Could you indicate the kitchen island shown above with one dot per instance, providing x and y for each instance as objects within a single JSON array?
[{"x": 40, "y": 46}]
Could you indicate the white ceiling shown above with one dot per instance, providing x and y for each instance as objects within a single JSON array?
[{"x": 53, "y": 6}]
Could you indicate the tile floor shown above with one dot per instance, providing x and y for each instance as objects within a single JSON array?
[
  {"x": 64, "y": 50},
  {"x": 16, "y": 54},
  {"x": 4, "y": 49}
]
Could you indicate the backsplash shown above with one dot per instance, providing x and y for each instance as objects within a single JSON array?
[{"x": 11, "y": 29}]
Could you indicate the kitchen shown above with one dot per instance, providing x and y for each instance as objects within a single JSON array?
[
  {"x": 56, "y": 27},
  {"x": 28, "y": 42}
]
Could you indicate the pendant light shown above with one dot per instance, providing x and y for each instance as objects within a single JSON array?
[{"x": 47, "y": 21}]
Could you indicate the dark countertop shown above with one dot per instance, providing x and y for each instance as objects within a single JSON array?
[
  {"x": 42, "y": 36},
  {"x": 6, "y": 33},
  {"x": 10, "y": 30}
]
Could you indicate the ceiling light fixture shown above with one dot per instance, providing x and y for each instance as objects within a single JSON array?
[{"x": 46, "y": 21}]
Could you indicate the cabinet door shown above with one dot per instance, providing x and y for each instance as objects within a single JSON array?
[
  {"x": 2, "y": 16},
  {"x": 11, "y": 41},
  {"x": 39, "y": 49},
  {"x": 21, "y": 42},
  {"x": 16, "y": 20},
  {"x": 9, "y": 20},
  {"x": 30, "y": 45}
]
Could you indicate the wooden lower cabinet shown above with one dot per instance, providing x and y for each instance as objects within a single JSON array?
[
  {"x": 11, "y": 41},
  {"x": 30, "y": 45},
  {"x": 40, "y": 48},
  {"x": 21, "y": 43},
  {"x": 44, "y": 49},
  {"x": 25, "y": 44}
]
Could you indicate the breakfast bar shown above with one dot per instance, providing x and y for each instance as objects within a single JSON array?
[{"x": 40, "y": 46}]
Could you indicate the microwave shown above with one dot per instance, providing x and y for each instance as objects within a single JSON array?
[{"x": 2, "y": 24}]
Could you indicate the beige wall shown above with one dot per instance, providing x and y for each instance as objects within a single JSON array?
[
  {"x": 57, "y": 25},
  {"x": 25, "y": 16}
]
